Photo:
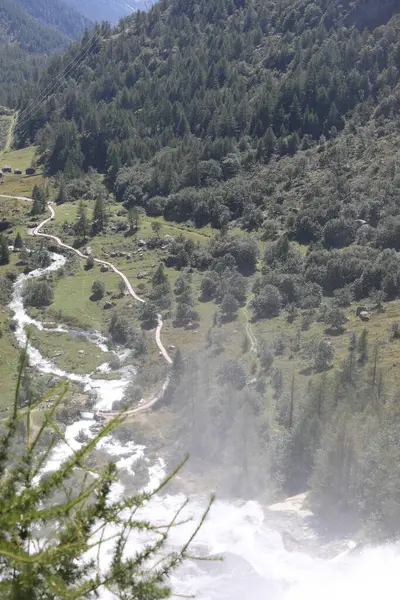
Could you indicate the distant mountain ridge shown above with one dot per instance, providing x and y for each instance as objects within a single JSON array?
[
  {"x": 57, "y": 14},
  {"x": 108, "y": 10},
  {"x": 30, "y": 30},
  {"x": 39, "y": 26}
]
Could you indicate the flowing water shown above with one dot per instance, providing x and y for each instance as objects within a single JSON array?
[{"x": 257, "y": 565}]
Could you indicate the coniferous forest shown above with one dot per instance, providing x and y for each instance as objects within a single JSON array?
[{"x": 278, "y": 119}]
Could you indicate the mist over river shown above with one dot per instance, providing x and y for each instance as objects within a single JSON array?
[{"x": 257, "y": 564}]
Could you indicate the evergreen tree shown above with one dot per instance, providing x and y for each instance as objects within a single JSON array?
[
  {"x": 18, "y": 242},
  {"x": 156, "y": 227},
  {"x": 82, "y": 223},
  {"x": 70, "y": 526},
  {"x": 99, "y": 219},
  {"x": 4, "y": 251},
  {"x": 134, "y": 218},
  {"x": 37, "y": 206},
  {"x": 362, "y": 347},
  {"x": 159, "y": 276},
  {"x": 62, "y": 195}
]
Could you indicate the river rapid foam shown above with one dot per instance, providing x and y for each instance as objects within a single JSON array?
[{"x": 256, "y": 565}]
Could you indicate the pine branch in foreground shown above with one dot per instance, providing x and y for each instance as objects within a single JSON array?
[{"x": 53, "y": 526}]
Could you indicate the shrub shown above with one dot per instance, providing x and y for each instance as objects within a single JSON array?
[
  {"x": 233, "y": 373},
  {"x": 120, "y": 329},
  {"x": 266, "y": 357},
  {"x": 98, "y": 290},
  {"x": 39, "y": 258},
  {"x": 89, "y": 262},
  {"x": 267, "y": 303},
  {"x": 335, "y": 318},
  {"x": 229, "y": 306},
  {"x": 321, "y": 352},
  {"x": 38, "y": 293},
  {"x": 148, "y": 315},
  {"x": 395, "y": 332}
]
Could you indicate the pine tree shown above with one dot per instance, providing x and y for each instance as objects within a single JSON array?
[
  {"x": 18, "y": 242},
  {"x": 62, "y": 195},
  {"x": 99, "y": 219},
  {"x": 134, "y": 218},
  {"x": 362, "y": 347},
  {"x": 159, "y": 276},
  {"x": 75, "y": 513},
  {"x": 4, "y": 252},
  {"x": 37, "y": 204},
  {"x": 82, "y": 223},
  {"x": 156, "y": 227}
]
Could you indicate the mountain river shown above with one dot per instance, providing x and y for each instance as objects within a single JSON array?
[{"x": 257, "y": 564}]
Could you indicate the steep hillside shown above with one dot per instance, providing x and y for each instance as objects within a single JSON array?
[
  {"x": 30, "y": 30},
  {"x": 108, "y": 10},
  {"x": 280, "y": 119},
  {"x": 219, "y": 82},
  {"x": 57, "y": 14},
  {"x": 39, "y": 26}
]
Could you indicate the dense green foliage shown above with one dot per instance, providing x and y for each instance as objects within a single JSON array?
[
  {"x": 55, "y": 526},
  {"x": 227, "y": 138},
  {"x": 30, "y": 30},
  {"x": 108, "y": 10},
  {"x": 4, "y": 251},
  {"x": 219, "y": 104},
  {"x": 280, "y": 118},
  {"x": 38, "y": 293},
  {"x": 340, "y": 438},
  {"x": 39, "y": 25}
]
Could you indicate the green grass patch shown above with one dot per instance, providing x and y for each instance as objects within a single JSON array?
[
  {"x": 71, "y": 353},
  {"x": 19, "y": 185},
  {"x": 9, "y": 358},
  {"x": 72, "y": 304},
  {"x": 5, "y": 124}
]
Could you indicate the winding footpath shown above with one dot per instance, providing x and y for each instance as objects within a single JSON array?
[
  {"x": 249, "y": 332},
  {"x": 38, "y": 233}
]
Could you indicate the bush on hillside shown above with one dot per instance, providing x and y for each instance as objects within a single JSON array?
[
  {"x": 38, "y": 293},
  {"x": 98, "y": 290}
]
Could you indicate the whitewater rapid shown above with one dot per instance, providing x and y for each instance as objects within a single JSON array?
[{"x": 256, "y": 565}]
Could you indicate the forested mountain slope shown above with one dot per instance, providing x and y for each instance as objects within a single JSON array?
[
  {"x": 275, "y": 116},
  {"x": 108, "y": 10},
  {"x": 30, "y": 30},
  {"x": 57, "y": 14},
  {"x": 280, "y": 118},
  {"x": 218, "y": 81},
  {"x": 38, "y": 26}
]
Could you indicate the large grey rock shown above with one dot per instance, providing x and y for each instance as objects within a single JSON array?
[{"x": 108, "y": 305}]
